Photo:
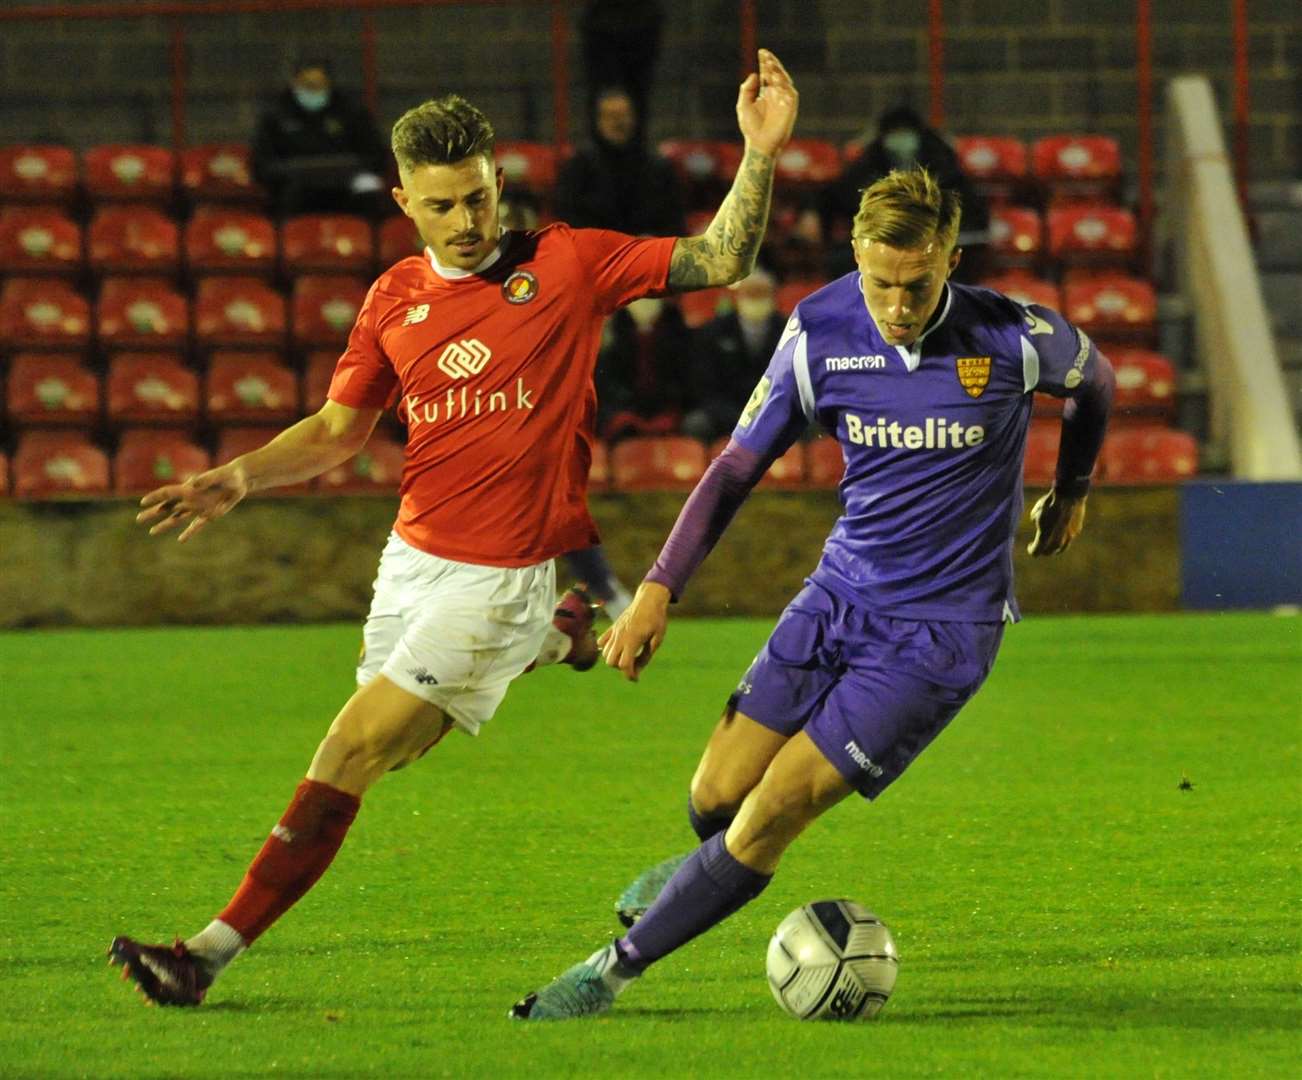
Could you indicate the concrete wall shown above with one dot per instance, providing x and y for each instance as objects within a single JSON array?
[{"x": 1022, "y": 67}]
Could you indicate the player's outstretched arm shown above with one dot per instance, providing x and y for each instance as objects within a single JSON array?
[
  {"x": 767, "y": 104},
  {"x": 312, "y": 446},
  {"x": 636, "y": 635}
]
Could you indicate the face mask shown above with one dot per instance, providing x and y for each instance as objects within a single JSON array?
[
  {"x": 645, "y": 311},
  {"x": 903, "y": 144},
  {"x": 754, "y": 308},
  {"x": 311, "y": 100}
]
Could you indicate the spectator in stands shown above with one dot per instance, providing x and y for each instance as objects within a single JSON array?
[
  {"x": 617, "y": 183},
  {"x": 641, "y": 378},
  {"x": 621, "y": 44},
  {"x": 730, "y": 353},
  {"x": 317, "y": 149},
  {"x": 904, "y": 141}
]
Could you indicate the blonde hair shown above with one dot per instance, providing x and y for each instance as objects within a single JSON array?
[
  {"x": 907, "y": 209},
  {"x": 441, "y": 132}
]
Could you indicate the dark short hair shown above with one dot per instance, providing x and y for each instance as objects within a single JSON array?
[{"x": 440, "y": 132}]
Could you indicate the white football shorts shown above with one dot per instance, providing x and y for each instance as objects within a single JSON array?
[{"x": 453, "y": 633}]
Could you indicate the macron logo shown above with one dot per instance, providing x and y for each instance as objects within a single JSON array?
[
  {"x": 464, "y": 358},
  {"x": 861, "y": 759},
  {"x": 854, "y": 363}
]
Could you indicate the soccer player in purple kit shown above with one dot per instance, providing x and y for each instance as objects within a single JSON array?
[{"x": 928, "y": 386}]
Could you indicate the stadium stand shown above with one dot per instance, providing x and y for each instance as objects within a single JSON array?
[
  {"x": 1077, "y": 167},
  {"x": 1146, "y": 384},
  {"x": 38, "y": 173},
  {"x": 151, "y": 388},
  {"x": 230, "y": 240},
  {"x": 1026, "y": 288},
  {"x": 133, "y": 240},
  {"x": 648, "y": 462},
  {"x": 219, "y": 173},
  {"x": 44, "y": 390},
  {"x": 239, "y": 312},
  {"x": 53, "y": 463},
  {"x": 699, "y": 307},
  {"x": 788, "y": 471},
  {"x": 39, "y": 240},
  {"x": 1148, "y": 455},
  {"x": 43, "y": 313},
  {"x": 1089, "y": 234},
  {"x": 824, "y": 463},
  {"x": 1016, "y": 237},
  {"x": 4, "y": 473},
  {"x": 787, "y": 296},
  {"x": 528, "y": 165},
  {"x": 395, "y": 239},
  {"x": 234, "y": 441},
  {"x": 377, "y": 467},
  {"x": 323, "y": 309},
  {"x": 1041, "y": 451},
  {"x": 996, "y": 165},
  {"x": 149, "y": 457},
  {"x": 142, "y": 313},
  {"x": 327, "y": 244},
  {"x": 249, "y": 388},
  {"x": 318, "y": 370},
  {"x": 1111, "y": 307},
  {"x": 599, "y": 470},
  {"x": 129, "y": 173},
  {"x": 807, "y": 163}
]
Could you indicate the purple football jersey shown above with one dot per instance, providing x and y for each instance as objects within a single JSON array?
[{"x": 933, "y": 437}]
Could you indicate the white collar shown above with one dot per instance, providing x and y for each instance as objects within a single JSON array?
[
  {"x": 454, "y": 272},
  {"x": 912, "y": 354}
]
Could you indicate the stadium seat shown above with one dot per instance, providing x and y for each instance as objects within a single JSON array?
[
  {"x": 131, "y": 240},
  {"x": 1149, "y": 455},
  {"x": 250, "y": 388},
  {"x": 396, "y": 239},
  {"x": 36, "y": 173},
  {"x": 1111, "y": 306},
  {"x": 824, "y": 463},
  {"x": 151, "y": 388},
  {"x": 705, "y": 168},
  {"x": 148, "y": 458},
  {"x": 1146, "y": 383},
  {"x": 788, "y": 471},
  {"x": 1026, "y": 288},
  {"x": 996, "y": 165},
  {"x": 142, "y": 313},
  {"x": 42, "y": 313},
  {"x": 808, "y": 162},
  {"x": 376, "y": 468},
  {"x": 528, "y": 165},
  {"x": 791, "y": 293},
  {"x": 323, "y": 309},
  {"x": 599, "y": 470},
  {"x": 1041, "y": 460},
  {"x": 51, "y": 389},
  {"x": 1077, "y": 167},
  {"x": 666, "y": 461},
  {"x": 1044, "y": 406},
  {"x": 228, "y": 240},
  {"x": 130, "y": 173},
  {"x": 317, "y": 374},
  {"x": 699, "y": 307},
  {"x": 39, "y": 240},
  {"x": 326, "y": 243},
  {"x": 234, "y": 441},
  {"x": 1091, "y": 234},
  {"x": 52, "y": 463},
  {"x": 4, "y": 473},
  {"x": 219, "y": 173},
  {"x": 1016, "y": 236},
  {"x": 238, "y": 312}
]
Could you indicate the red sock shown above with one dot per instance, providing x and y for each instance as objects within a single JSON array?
[{"x": 295, "y": 855}]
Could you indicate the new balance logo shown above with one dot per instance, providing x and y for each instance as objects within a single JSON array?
[
  {"x": 416, "y": 314},
  {"x": 854, "y": 363},
  {"x": 464, "y": 358},
  {"x": 422, "y": 676}
]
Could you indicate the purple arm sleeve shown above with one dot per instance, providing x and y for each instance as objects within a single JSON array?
[
  {"x": 1084, "y": 421},
  {"x": 706, "y": 514}
]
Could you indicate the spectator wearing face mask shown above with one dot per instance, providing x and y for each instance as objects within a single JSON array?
[
  {"x": 904, "y": 141},
  {"x": 317, "y": 150},
  {"x": 730, "y": 353},
  {"x": 642, "y": 386}
]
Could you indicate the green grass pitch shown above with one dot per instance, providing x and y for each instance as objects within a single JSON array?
[{"x": 1063, "y": 904}]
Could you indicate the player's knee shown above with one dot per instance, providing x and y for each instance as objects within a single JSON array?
[{"x": 712, "y": 796}]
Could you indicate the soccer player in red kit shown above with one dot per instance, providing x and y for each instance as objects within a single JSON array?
[{"x": 488, "y": 340}]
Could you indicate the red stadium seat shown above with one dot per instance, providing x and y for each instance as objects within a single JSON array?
[
  {"x": 377, "y": 468},
  {"x": 702, "y": 161},
  {"x": 238, "y": 313},
  {"x": 701, "y": 306},
  {"x": 808, "y": 162},
  {"x": 148, "y": 458},
  {"x": 1025, "y": 288},
  {"x": 788, "y": 471},
  {"x": 317, "y": 374},
  {"x": 251, "y": 388},
  {"x": 667, "y": 461},
  {"x": 222, "y": 240},
  {"x": 1149, "y": 455},
  {"x": 1111, "y": 306},
  {"x": 996, "y": 164},
  {"x": 530, "y": 165},
  {"x": 36, "y": 173},
  {"x": 4, "y": 473},
  {"x": 142, "y": 313},
  {"x": 45, "y": 389},
  {"x": 234, "y": 441},
  {"x": 39, "y": 240},
  {"x": 789, "y": 295},
  {"x": 824, "y": 463},
  {"x": 599, "y": 470},
  {"x": 1016, "y": 236},
  {"x": 397, "y": 239},
  {"x": 1044, "y": 406},
  {"x": 1077, "y": 167},
  {"x": 1041, "y": 452},
  {"x": 131, "y": 173},
  {"x": 326, "y": 243},
  {"x": 219, "y": 173},
  {"x": 324, "y": 308},
  {"x": 1146, "y": 383},
  {"x": 151, "y": 388},
  {"x": 1095, "y": 234},
  {"x": 131, "y": 240},
  {"x": 52, "y": 463},
  {"x": 43, "y": 313}
]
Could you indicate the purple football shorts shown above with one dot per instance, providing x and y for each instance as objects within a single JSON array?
[{"x": 870, "y": 690}]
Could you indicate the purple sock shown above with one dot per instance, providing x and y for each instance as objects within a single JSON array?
[
  {"x": 706, "y": 825},
  {"x": 708, "y": 887}
]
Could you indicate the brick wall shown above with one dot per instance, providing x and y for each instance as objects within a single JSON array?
[{"x": 1022, "y": 67}]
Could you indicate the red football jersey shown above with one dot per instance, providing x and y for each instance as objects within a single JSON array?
[{"x": 495, "y": 376}]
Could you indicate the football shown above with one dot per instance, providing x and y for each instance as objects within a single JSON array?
[{"x": 832, "y": 960}]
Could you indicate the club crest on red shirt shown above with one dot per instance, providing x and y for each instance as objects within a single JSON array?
[{"x": 520, "y": 287}]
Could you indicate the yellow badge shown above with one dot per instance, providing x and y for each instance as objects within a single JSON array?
[
  {"x": 757, "y": 397},
  {"x": 973, "y": 373}
]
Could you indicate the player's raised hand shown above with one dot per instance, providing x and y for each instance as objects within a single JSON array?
[
  {"x": 1058, "y": 521},
  {"x": 766, "y": 106},
  {"x": 201, "y": 499},
  {"x": 636, "y": 635}
]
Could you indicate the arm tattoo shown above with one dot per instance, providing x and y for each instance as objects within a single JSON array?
[{"x": 726, "y": 251}]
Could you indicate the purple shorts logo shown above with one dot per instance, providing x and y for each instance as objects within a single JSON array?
[{"x": 861, "y": 759}]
